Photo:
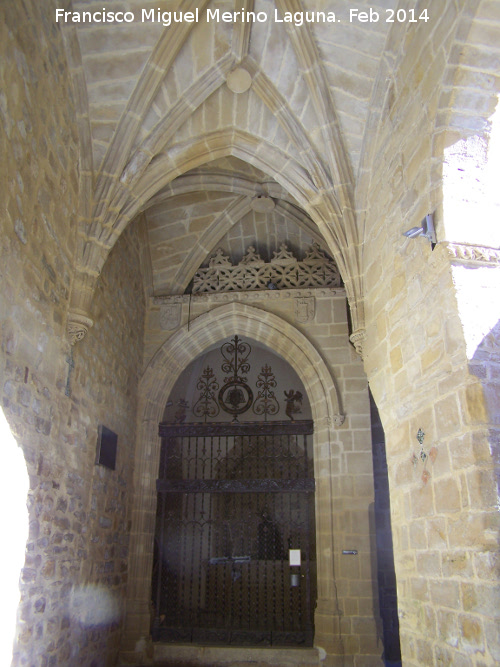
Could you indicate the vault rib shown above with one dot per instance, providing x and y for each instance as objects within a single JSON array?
[
  {"x": 160, "y": 62},
  {"x": 163, "y": 131},
  {"x": 241, "y": 35}
]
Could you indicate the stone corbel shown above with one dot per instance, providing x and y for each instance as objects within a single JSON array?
[
  {"x": 357, "y": 339},
  {"x": 338, "y": 420},
  {"x": 334, "y": 421},
  {"x": 77, "y": 326},
  {"x": 82, "y": 293}
]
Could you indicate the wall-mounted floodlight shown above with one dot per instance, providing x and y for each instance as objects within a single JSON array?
[{"x": 426, "y": 229}]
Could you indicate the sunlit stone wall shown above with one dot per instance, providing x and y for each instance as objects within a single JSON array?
[{"x": 73, "y": 576}]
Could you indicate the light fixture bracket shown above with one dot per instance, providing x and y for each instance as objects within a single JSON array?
[{"x": 426, "y": 229}]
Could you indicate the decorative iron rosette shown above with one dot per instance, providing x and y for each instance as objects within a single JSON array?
[{"x": 235, "y": 397}]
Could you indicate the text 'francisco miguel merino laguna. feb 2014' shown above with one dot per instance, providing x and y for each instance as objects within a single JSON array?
[{"x": 355, "y": 15}]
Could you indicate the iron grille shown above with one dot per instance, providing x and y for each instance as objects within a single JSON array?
[{"x": 233, "y": 499}]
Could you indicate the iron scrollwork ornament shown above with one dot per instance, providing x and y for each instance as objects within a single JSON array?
[
  {"x": 235, "y": 396},
  {"x": 206, "y": 405},
  {"x": 235, "y": 364},
  {"x": 266, "y": 402}
]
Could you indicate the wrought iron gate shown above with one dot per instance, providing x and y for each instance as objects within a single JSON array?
[{"x": 233, "y": 500}]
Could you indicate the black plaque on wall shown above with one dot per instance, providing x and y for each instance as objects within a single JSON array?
[{"x": 107, "y": 442}]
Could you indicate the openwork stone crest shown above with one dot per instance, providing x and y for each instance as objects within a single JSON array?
[{"x": 284, "y": 271}]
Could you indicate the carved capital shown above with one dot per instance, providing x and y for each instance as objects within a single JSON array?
[
  {"x": 338, "y": 420},
  {"x": 78, "y": 325},
  {"x": 475, "y": 255},
  {"x": 357, "y": 339}
]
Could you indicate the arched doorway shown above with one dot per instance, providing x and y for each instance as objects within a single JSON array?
[
  {"x": 334, "y": 476},
  {"x": 235, "y": 556}
]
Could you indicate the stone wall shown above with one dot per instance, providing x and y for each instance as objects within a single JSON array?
[
  {"x": 417, "y": 358},
  {"x": 54, "y": 396}
]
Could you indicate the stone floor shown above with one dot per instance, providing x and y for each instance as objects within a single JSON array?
[
  {"x": 202, "y": 656},
  {"x": 213, "y": 656}
]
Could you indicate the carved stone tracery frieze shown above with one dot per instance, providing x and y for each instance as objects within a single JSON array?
[
  {"x": 284, "y": 271},
  {"x": 472, "y": 254}
]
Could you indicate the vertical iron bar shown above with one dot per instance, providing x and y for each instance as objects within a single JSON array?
[
  {"x": 160, "y": 559},
  {"x": 283, "y": 523},
  {"x": 293, "y": 545},
  {"x": 217, "y": 552},
  {"x": 299, "y": 500},
  {"x": 241, "y": 551},
  {"x": 185, "y": 529},
  {"x": 265, "y": 587},
  {"x": 226, "y": 457},
  {"x": 288, "y": 617},
  {"x": 200, "y": 557},
  {"x": 310, "y": 500}
]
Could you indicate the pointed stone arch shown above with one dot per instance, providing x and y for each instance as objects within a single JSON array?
[
  {"x": 322, "y": 207},
  {"x": 156, "y": 384}
]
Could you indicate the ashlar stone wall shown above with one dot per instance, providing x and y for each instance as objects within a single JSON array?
[
  {"x": 445, "y": 511},
  {"x": 54, "y": 396}
]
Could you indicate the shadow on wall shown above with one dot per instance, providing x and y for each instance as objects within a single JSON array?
[
  {"x": 386, "y": 575},
  {"x": 14, "y": 489}
]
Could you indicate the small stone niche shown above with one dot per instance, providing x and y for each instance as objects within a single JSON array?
[{"x": 107, "y": 442}]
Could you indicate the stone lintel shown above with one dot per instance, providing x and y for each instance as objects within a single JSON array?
[{"x": 256, "y": 295}]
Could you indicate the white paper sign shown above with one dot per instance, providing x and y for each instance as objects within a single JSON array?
[{"x": 294, "y": 556}]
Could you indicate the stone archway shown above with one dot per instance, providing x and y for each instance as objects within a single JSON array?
[{"x": 183, "y": 347}]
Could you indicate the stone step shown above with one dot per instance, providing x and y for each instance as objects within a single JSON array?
[{"x": 216, "y": 656}]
